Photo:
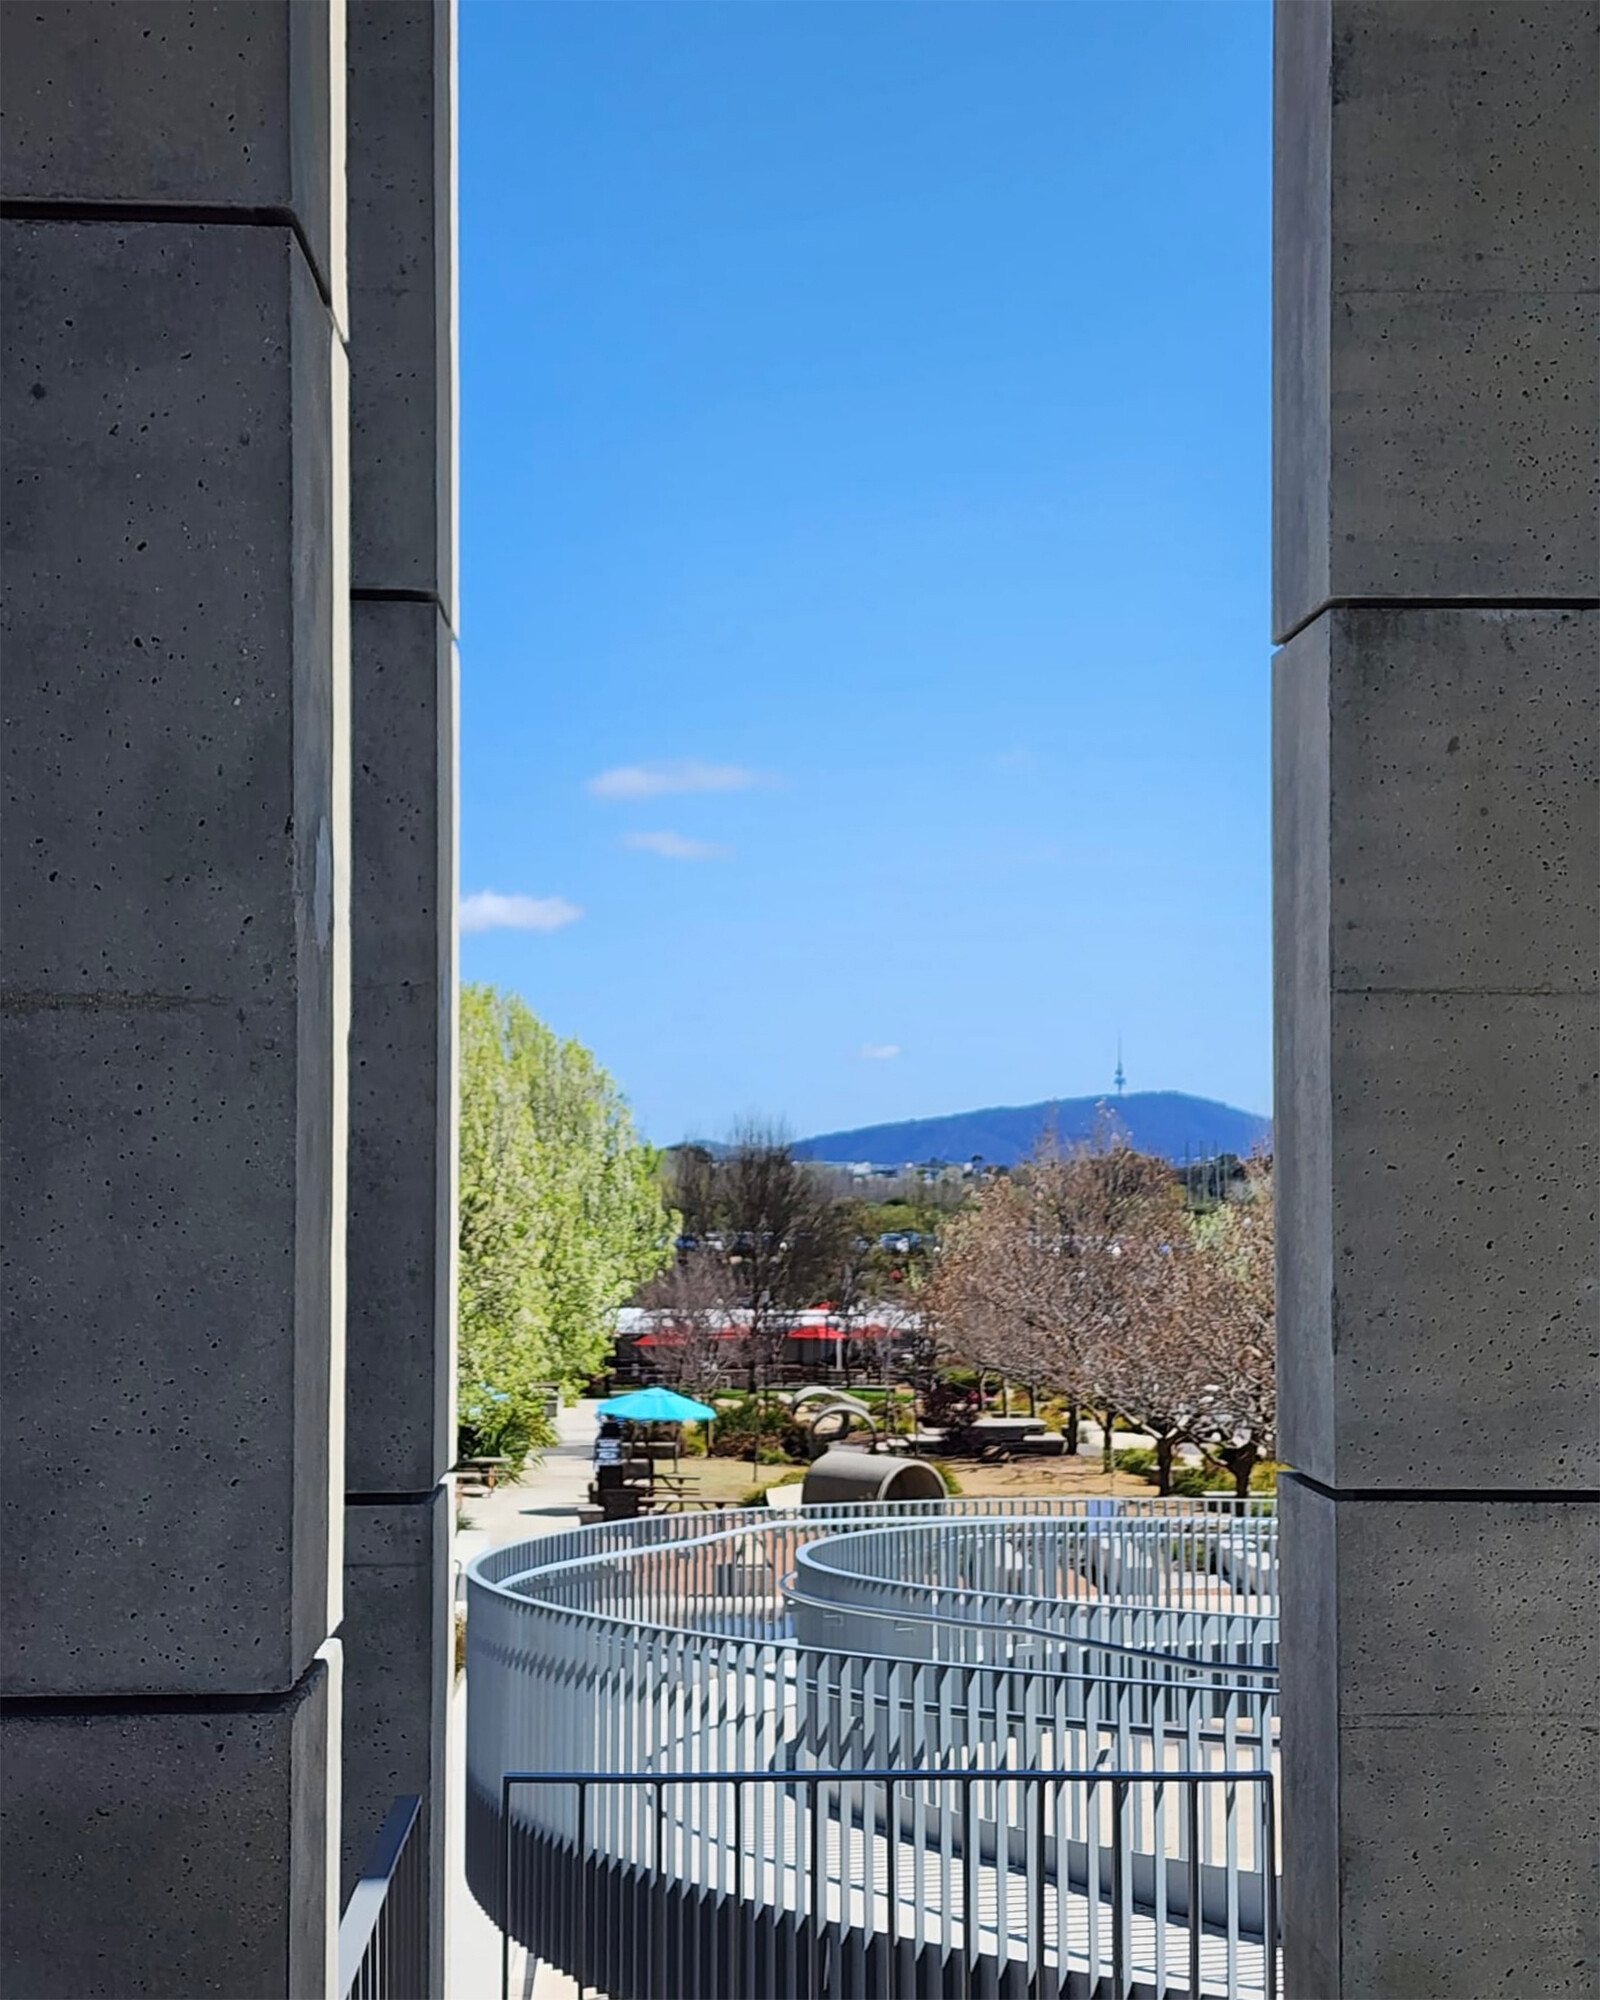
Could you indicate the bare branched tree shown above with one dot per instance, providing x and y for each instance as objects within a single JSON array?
[
  {"x": 1235, "y": 1330},
  {"x": 1086, "y": 1272},
  {"x": 769, "y": 1223},
  {"x": 696, "y": 1318}
]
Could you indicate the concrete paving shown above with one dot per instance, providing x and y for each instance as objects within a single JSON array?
[
  {"x": 546, "y": 1499},
  {"x": 544, "y": 1502}
]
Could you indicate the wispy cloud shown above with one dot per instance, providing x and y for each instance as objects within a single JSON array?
[
  {"x": 488, "y": 910},
  {"x": 1014, "y": 760},
  {"x": 682, "y": 774},
  {"x": 878, "y": 1051},
  {"x": 676, "y": 846}
]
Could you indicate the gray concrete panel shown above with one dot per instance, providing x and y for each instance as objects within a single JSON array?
[
  {"x": 1465, "y": 140},
  {"x": 1437, "y": 925},
  {"x": 399, "y": 1348},
  {"x": 150, "y": 1480},
  {"x": 400, "y": 1327},
  {"x": 174, "y": 819},
  {"x": 1436, "y": 326},
  {"x": 1443, "y": 482},
  {"x": 1436, "y": 1617},
  {"x": 1465, "y": 750},
  {"x": 1457, "y": 1245},
  {"x": 1468, "y": 1858},
  {"x": 398, "y": 1641},
  {"x": 1309, "y": 1742},
  {"x": 1301, "y": 303},
  {"x": 173, "y": 1853},
  {"x": 234, "y": 105},
  {"x": 166, "y": 516},
  {"x": 402, "y": 293},
  {"x": 401, "y": 1233},
  {"x": 1302, "y": 1056},
  {"x": 1438, "y": 1766},
  {"x": 1465, "y": 1255},
  {"x": 1437, "y": 910}
]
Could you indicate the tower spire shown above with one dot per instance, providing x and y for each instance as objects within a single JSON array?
[{"x": 1119, "y": 1079}]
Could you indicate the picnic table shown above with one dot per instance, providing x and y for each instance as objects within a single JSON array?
[
  {"x": 480, "y": 1471},
  {"x": 999, "y": 1437}
]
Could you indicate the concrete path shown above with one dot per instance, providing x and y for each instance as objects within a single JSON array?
[{"x": 544, "y": 1502}]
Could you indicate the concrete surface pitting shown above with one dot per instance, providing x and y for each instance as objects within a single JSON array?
[
  {"x": 1437, "y": 576},
  {"x": 400, "y": 1328},
  {"x": 230, "y": 860},
  {"x": 176, "y": 922}
]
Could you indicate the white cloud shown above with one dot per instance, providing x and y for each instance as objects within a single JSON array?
[
  {"x": 488, "y": 910},
  {"x": 879, "y": 1051},
  {"x": 676, "y": 846},
  {"x": 682, "y": 774}
]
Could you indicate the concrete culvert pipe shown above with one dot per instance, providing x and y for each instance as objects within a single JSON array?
[{"x": 843, "y": 1476}]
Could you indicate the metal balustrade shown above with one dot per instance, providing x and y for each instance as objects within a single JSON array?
[
  {"x": 383, "y": 1933},
  {"x": 838, "y": 1885},
  {"x": 994, "y": 1650},
  {"x": 1192, "y": 1588}
]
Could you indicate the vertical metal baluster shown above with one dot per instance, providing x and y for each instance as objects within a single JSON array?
[
  {"x": 891, "y": 1835},
  {"x": 1119, "y": 1891},
  {"x": 744, "y": 1913},
  {"x": 1036, "y": 1916},
  {"x": 658, "y": 1904},
  {"x": 1090, "y": 1797},
  {"x": 1230, "y": 1793},
  {"x": 581, "y": 1956},
  {"x": 816, "y": 1958},
  {"x": 1269, "y": 1888},
  {"x": 505, "y": 1889},
  {"x": 969, "y": 1887},
  {"x": 1193, "y": 1788}
]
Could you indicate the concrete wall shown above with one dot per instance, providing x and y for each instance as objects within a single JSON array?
[
  {"x": 1437, "y": 572},
  {"x": 176, "y": 832},
  {"x": 401, "y": 1372}
]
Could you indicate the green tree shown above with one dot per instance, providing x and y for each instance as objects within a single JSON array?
[{"x": 561, "y": 1217}]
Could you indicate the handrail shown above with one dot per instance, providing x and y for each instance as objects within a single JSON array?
[
  {"x": 366, "y": 1973},
  {"x": 731, "y": 1641},
  {"x": 842, "y": 1884},
  {"x": 900, "y": 1614}
]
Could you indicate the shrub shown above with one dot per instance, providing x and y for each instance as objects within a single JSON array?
[
  {"x": 1192, "y": 1481},
  {"x": 769, "y": 1427},
  {"x": 493, "y": 1423},
  {"x": 952, "y": 1405},
  {"x": 1141, "y": 1462}
]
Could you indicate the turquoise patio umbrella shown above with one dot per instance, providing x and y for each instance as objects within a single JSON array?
[{"x": 657, "y": 1406}]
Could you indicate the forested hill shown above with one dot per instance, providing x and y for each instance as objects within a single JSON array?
[{"x": 1156, "y": 1121}]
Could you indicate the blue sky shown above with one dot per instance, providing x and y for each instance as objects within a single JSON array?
[{"x": 864, "y": 547}]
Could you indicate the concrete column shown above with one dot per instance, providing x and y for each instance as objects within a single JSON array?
[
  {"x": 176, "y": 994},
  {"x": 1438, "y": 996},
  {"x": 400, "y": 1383}
]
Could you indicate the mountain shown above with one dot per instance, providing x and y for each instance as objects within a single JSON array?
[{"x": 1156, "y": 1121}]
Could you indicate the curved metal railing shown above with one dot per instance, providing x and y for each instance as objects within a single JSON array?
[
  {"x": 974, "y": 1637},
  {"x": 1164, "y": 1591}
]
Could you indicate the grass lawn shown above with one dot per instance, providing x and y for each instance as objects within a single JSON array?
[{"x": 709, "y": 1480}]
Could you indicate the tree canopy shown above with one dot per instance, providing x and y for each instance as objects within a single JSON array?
[
  {"x": 560, "y": 1215},
  {"x": 1088, "y": 1272}
]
